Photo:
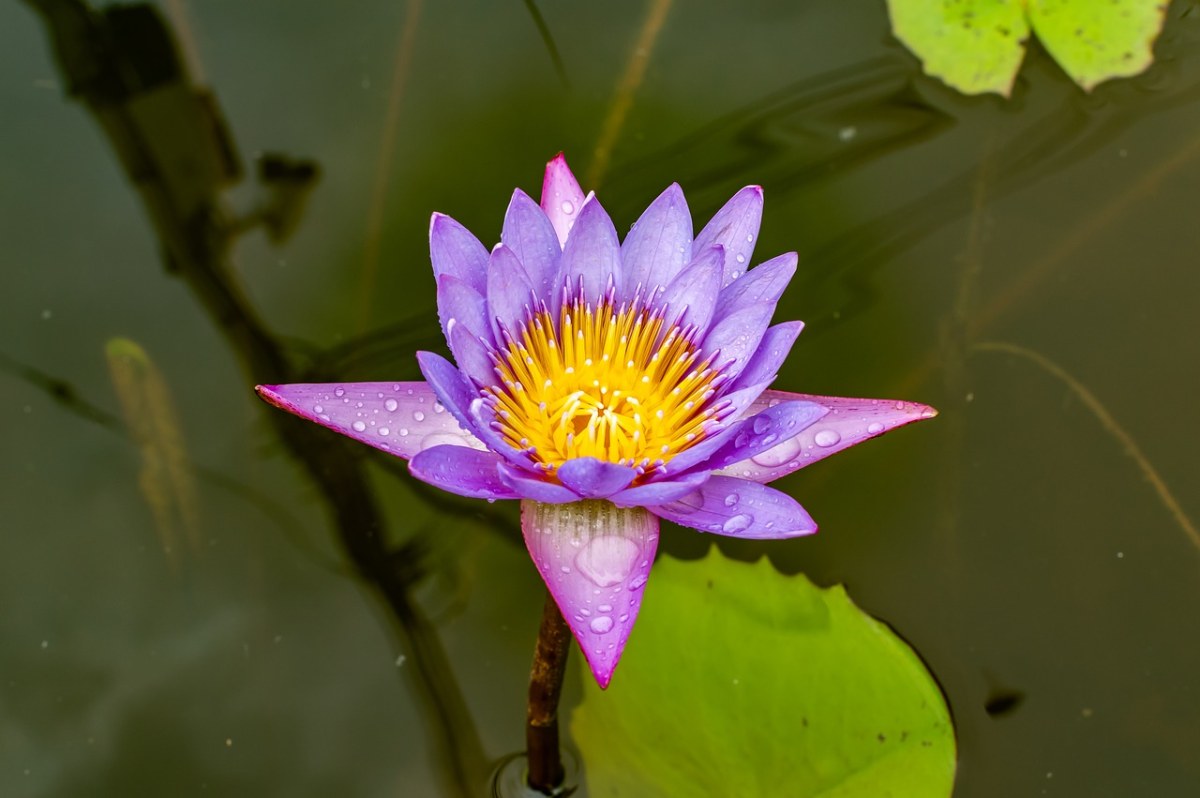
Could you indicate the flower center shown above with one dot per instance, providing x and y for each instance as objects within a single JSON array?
[{"x": 617, "y": 384}]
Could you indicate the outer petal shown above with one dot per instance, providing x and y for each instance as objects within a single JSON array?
[
  {"x": 595, "y": 558},
  {"x": 659, "y": 244},
  {"x": 764, "y": 283},
  {"x": 471, "y": 355},
  {"x": 848, "y": 422},
  {"x": 692, "y": 295},
  {"x": 458, "y": 469},
  {"x": 401, "y": 418},
  {"x": 759, "y": 432},
  {"x": 459, "y": 303},
  {"x": 737, "y": 336},
  {"x": 772, "y": 352},
  {"x": 509, "y": 291},
  {"x": 530, "y": 487},
  {"x": 592, "y": 254},
  {"x": 562, "y": 198},
  {"x": 529, "y": 234},
  {"x": 455, "y": 251},
  {"x": 591, "y": 478},
  {"x": 654, "y": 493},
  {"x": 734, "y": 227},
  {"x": 739, "y": 508}
]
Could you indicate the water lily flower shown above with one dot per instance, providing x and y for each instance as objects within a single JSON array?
[{"x": 606, "y": 384}]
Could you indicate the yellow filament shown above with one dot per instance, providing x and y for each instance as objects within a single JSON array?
[{"x": 615, "y": 384}]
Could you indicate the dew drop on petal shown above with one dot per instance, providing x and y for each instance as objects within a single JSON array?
[
  {"x": 605, "y": 608},
  {"x": 826, "y": 438},
  {"x": 741, "y": 258},
  {"x": 339, "y": 392},
  {"x": 875, "y": 428},
  {"x": 404, "y": 432},
  {"x": 637, "y": 582},
  {"x": 390, "y": 405},
  {"x": 384, "y": 431},
  {"x": 760, "y": 425},
  {"x": 601, "y": 624},
  {"x": 443, "y": 439},
  {"x": 738, "y": 523},
  {"x": 607, "y": 560},
  {"x": 778, "y": 455},
  {"x": 318, "y": 409},
  {"x": 418, "y": 416},
  {"x": 567, "y": 207},
  {"x": 731, "y": 500},
  {"x": 358, "y": 426}
]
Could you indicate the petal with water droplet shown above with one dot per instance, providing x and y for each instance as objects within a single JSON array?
[
  {"x": 560, "y": 192},
  {"x": 454, "y": 251},
  {"x": 756, "y": 510},
  {"x": 376, "y": 406},
  {"x": 849, "y": 422},
  {"x": 463, "y": 471},
  {"x": 592, "y": 554},
  {"x": 734, "y": 227},
  {"x": 659, "y": 244}
]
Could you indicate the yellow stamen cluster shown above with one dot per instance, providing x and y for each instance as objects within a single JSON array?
[{"x": 604, "y": 382}]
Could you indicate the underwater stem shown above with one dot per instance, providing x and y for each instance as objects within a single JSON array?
[{"x": 545, "y": 686}]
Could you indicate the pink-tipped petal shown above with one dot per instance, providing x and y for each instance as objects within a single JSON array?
[
  {"x": 595, "y": 558},
  {"x": 400, "y": 418},
  {"x": 455, "y": 251},
  {"x": 659, "y": 245},
  {"x": 849, "y": 421},
  {"x": 562, "y": 198},
  {"x": 739, "y": 508},
  {"x": 734, "y": 227}
]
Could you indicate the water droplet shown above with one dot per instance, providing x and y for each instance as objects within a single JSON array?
[
  {"x": 637, "y": 582},
  {"x": 339, "y": 392},
  {"x": 567, "y": 207},
  {"x": 443, "y": 439},
  {"x": 418, "y": 416},
  {"x": 404, "y": 432},
  {"x": 827, "y": 437},
  {"x": 384, "y": 431},
  {"x": 875, "y": 428},
  {"x": 738, "y": 523},
  {"x": 601, "y": 624},
  {"x": 741, "y": 258},
  {"x": 359, "y": 426},
  {"x": 318, "y": 409},
  {"x": 749, "y": 238},
  {"x": 731, "y": 500},
  {"x": 778, "y": 455},
  {"x": 605, "y": 608},
  {"x": 438, "y": 407},
  {"x": 608, "y": 559},
  {"x": 760, "y": 424},
  {"x": 390, "y": 405}
]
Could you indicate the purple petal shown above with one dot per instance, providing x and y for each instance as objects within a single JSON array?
[
  {"x": 659, "y": 492},
  {"x": 485, "y": 427},
  {"x": 848, "y": 422},
  {"x": 463, "y": 471},
  {"x": 509, "y": 291},
  {"x": 735, "y": 404},
  {"x": 734, "y": 227},
  {"x": 595, "y": 558},
  {"x": 692, "y": 295},
  {"x": 592, "y": 478},
  {"x": 737, "y": 336},
  {"x": 764, "y": 283},
  {"x": 454, "y": 251},
  {"x": 530, "y": 486},
  {"x": 401, "y": 418},
  {"x": 562, "y": 198},
  {"x": 772, "y": 351},
  {"x": 459, "y": 303},
  {"x": 451, "y": 387},
  {"x": 739, "y": 508},
  {"x": 471, "y": 355},
  {"x": 762, "y": 431},
  {"x": 529, "y": 234},
  {"x": 659, "y": 244},
  {"x": 592, "y": 254}
]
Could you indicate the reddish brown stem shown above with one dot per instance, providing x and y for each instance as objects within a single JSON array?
[{"x": 545, "y": 686}]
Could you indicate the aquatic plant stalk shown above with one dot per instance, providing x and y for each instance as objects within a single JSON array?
[{"x": 545, "y": 687}]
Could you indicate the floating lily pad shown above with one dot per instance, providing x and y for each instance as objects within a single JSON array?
[
  {"x": 976, "y": 46},
  {"x": 741, "y": 681}
]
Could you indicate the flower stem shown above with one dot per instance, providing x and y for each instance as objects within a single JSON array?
[{"x": 545, "y": 686}]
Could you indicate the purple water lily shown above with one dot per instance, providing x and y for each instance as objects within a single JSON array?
[{"x": 606, "y": 385}]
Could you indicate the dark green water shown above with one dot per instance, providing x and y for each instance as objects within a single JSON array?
[{"x": 1015, "y": 541}]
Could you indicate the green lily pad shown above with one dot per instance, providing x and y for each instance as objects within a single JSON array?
[
  {"x": 741, "y": 681},
  {"x": 976, "y": 46}
]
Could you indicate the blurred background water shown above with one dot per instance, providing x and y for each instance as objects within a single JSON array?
[{"x": 177, "y": 612}]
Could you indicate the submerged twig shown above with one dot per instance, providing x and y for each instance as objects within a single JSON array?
[
  {"x": 1111, "y": 426},
  {"x": 545, "y": 687}
]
